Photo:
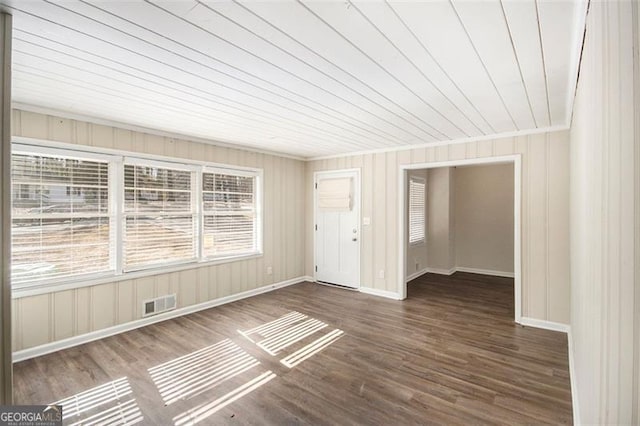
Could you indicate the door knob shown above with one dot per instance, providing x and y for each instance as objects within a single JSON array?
[{"x": 354, "y": 239}]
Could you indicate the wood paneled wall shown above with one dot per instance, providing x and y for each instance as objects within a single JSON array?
[
  {"x": 545, "y": 213},
  {"x": 605, "y": 189},
  {"x": 50, "y": 317}
]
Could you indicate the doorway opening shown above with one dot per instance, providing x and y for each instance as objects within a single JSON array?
[{"x": 429, "y": 227}]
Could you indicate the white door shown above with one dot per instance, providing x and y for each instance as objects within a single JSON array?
[{"x": 337, "y": 233}]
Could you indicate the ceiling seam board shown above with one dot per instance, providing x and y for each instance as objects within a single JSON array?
[
  {"x": 288, "y": 53},
  {"x": 544, "y": 68},
  {"x": 303, "y": 78},
  {"x": 338, "y": 136},
  {"x": 420, "y": 71},
  {"x": 277, "y": 66},
  {"x": 322, "y": 57},
  {"x": 515, "y": 55},
  {"x": 404, "y": 24},
  {"x": 484, "y": 66}
]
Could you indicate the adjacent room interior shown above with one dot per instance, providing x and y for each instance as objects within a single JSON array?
[
  {"x": 306, "y": 212},
  {"x": 461, "y": 219}
]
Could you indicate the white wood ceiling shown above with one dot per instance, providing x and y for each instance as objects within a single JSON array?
[{"x": 300, "y": 77}]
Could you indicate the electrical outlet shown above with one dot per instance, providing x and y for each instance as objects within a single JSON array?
[
  {"x": 269, "y": 270},
  {"x": 381, "y": 273}
]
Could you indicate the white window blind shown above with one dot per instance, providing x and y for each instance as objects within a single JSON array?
[
  {"x": 61, "y": 217},
  {"x": 159, "y": 216},
  {"x": 229, "y": 214},
  {"x": 79, "y": 215},
  {"x": 335, "y": 194},
  {"x": 416, "y": 210}
]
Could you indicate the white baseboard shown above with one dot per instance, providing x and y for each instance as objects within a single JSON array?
[
  {"x": 460, "y": 269},
  {"x": 121, "y": 328},
  {"x": 485, "y": 272},
  {"x": 441, "y": 271},
  {"x": 417, "y": 274},
  {"x": 382, "y": 293},
  {"x": 574, "y": 385},
  {"x": 547, "y": 325},
  {"x": 564, "y": 328}
]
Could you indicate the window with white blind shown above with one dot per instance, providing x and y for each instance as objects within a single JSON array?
[
  {"x": 229, "y": 214},
  {"x": 62, "y": 219},
  {"x": 80, "y": 215},
  {"x": 417, "y": 197},
  {"x": 159, "y": 215}
]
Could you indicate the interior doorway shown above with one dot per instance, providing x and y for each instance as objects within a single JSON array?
[{"x": 486, "y": 247}]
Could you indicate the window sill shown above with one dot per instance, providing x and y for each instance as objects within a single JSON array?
[{"x": 25, "y": 290}]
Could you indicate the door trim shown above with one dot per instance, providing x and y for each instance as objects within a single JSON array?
[
  {"x": 358, "y": 205},
  {"x": 516, "y": 160}
]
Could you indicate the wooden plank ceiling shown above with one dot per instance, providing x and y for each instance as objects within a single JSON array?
[{"x": 306, "y": 78}]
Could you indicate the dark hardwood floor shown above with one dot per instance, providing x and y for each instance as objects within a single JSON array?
[{"x": 449, "y": 354}]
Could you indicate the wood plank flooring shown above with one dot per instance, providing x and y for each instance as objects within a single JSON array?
[{"x": 449, "y": 354}]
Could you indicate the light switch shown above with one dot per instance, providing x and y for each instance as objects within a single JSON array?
[{"x": 366, "y": 221}]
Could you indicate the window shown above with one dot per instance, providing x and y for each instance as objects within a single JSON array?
[
  {"x": 61, "y": 217},
  {"x": 159, "y": 216},
  {"x": 80, "y": 215},
  {"x": 416, "y": 210},
  {"x": 229, "y": 210}
]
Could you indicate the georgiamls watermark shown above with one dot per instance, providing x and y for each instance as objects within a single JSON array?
[{"x": 31, "y": 415}]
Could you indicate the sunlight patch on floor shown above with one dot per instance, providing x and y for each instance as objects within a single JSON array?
[
  {"x": 274, "y": 326},
  {"x": 114, "y": 400},
  {"x": 199, "y": 371},
  {"x": 203, "y": 411},
  {"x": 311, "y": 349},
  {"x": 277, "y": 335}
]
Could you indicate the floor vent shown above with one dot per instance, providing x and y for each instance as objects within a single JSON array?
[{"x": 158, "y": 305}]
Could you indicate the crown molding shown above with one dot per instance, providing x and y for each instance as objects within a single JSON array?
[
  {"x": 517, "y": 133},
  {"x": 148, "y": 130},
  {"x": 223, "y": 144}
]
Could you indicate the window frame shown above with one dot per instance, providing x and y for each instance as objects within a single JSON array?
[
  {"x": 423, "y": 240},
  {"x": 195, "y": 206},
  {"x": 24, "y": 149},
  {"x": 258, "y": 210},
  {"x": 117, "y": 160}
]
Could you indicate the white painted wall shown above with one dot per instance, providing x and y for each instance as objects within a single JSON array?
[
  {"x": 545, "y": 219},
  {"x": 46, "y": 318},
  {"x": 484, "y": 217},
  {"x": 605, "y": 187},
  {"x": 440, "y": 218}
]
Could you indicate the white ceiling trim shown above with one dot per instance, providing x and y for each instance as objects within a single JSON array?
[
  {"x": 141, "y": 129},
  {"x": 148, "y": 130},
  {"x": 503, "y": 135}
]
